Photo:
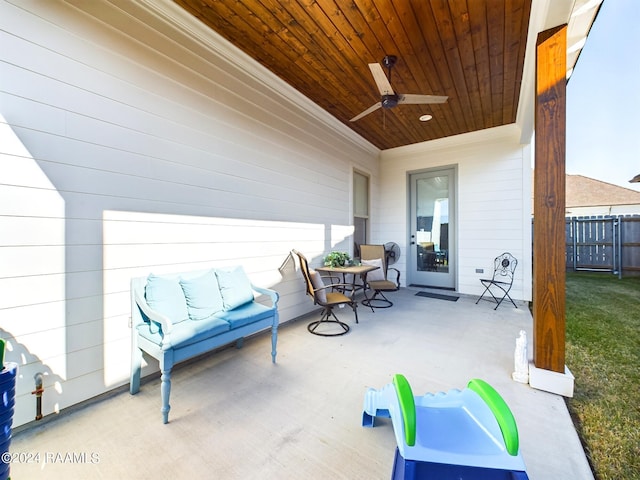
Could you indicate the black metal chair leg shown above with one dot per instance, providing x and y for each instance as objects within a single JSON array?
[
  {"x": 383, "y": 302},
  {"x": 324, "y": 320}
]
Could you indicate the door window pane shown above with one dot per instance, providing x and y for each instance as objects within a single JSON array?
[{"x": 432, "y": 220}]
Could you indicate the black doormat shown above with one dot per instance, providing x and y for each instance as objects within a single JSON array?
[{"x": 439, "y": 296}]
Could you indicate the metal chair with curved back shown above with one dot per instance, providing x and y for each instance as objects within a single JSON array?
[
  {"x": 328, "y": 297},
  {"x": 378, "y": 280},
  {"x": 502, "y": 280}
]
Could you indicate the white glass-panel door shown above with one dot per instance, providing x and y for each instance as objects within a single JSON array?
[{"x": 432, "y": 252}]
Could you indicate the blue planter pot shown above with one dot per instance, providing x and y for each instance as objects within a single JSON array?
[{"x": 7, "y": 402}]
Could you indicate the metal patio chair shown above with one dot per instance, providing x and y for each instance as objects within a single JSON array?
[
  {"x": 378, "y": 280},
  {"x": 504, "y": 267},
  {"x": 328, "y": 297}
]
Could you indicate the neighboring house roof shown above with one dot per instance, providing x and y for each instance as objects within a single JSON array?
[
  {"x": 587, "y": 197},
  {"x": 589, "y": 192}
]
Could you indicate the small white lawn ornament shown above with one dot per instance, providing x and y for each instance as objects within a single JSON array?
[{"x": 521, "y": 359}]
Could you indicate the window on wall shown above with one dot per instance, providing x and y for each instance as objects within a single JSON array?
[{"x": 360, "y": 210}]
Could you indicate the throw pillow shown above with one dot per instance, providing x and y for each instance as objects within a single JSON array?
[
  {"x": 375, "y": 275},
  {"x": 164, "y": 295},
  {"x": 317, "y": 282},
  {"x": 203, "y": 295},
  {"x": 235, "y": 287}
]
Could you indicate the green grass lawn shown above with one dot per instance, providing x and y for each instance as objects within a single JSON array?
[{"x": 603, "y": 353}]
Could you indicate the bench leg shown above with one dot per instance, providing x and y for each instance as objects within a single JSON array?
[
  {"x": 136, "y": 366},
  {"x": 165, "y": 391},
  {"x": 274, "y": 341}
]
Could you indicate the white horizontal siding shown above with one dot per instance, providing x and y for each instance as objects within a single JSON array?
[
  {"x": 493, "y": 203},
  {"x": 129, "y": 147}
]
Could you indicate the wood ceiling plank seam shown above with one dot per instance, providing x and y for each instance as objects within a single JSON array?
[
  {"x": 251, "y": 33},
  {"x": 353, "y": 56},
  {"x": 306, "y": 62},
  {"x": 315, "y": 63},
  {"x": 495, "y": 20},
  {"x": 526, "y": 13},
  {"x": 384, "y": 36},
  {"x": 452, "y": 56},
  {"x": 479, "y": 34},
  {"x": 402, "y": 80},
  {"x": 515, "y": 52},
  {"x": 402, "y": 77},
  {"x": 464, "y": 40},
  {"x": 370, "y": 17},
  {"x": 414, "y": 45},
  {"x": 437, "y": 87},
  {"x": 424, "y": 63},
  {"x": 420, "y": 84},
  {"x": 396, "y": 42},
  {"x": 442, "y": 52},
  {"x": 325, "y": 47},
  {"x": 365, "y": 17},
  {"x": 279, "y": 48},
  {"x": 379, "y": 119},
  {"x": 295, "y": 30},
  {"x": 369, "y": 52},
  {"x": 512, "y": 37},
  {"x": 237, "y": 24},
  {"x": 366, "y": 37},
  {"x": 273, "y": 25},
  {"x": 436, "y": 52}
]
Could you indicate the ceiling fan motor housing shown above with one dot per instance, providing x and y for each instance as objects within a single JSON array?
[{"x": 389, "y": 101}]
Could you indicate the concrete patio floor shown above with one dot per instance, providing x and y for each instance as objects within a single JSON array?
[{"x": 235, "y": 415}]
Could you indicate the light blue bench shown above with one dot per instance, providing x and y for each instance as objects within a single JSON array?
[{"x": 179, "y": 316}]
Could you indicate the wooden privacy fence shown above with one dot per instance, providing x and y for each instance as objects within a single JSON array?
[{"x": 607, "y": 244}]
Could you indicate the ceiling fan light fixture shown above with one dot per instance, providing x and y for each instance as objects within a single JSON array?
[
  {"x": 389, "y": 61},
  {"x": 426, "y": 117},
  {"x": 389, "y": 101}
]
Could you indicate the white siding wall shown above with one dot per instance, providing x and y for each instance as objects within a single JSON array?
[
  {"x": 493, "y": 201},
  {"x": 127, "y": 147}
]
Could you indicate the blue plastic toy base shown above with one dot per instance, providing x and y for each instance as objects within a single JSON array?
[
  {"x": 415, "y": 470},
  {"x": 458, "y": 435}
]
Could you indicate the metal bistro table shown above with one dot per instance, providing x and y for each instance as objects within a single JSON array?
[{"x": 355, "y": 270}]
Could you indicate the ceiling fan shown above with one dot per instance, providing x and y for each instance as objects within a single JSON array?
[{"x": 389, "y": 98}]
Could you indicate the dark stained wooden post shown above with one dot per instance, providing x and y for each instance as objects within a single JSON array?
[{"x": 549, "y": 201}]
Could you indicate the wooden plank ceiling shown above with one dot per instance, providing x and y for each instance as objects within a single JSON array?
[{"x": 470, "y": 50}]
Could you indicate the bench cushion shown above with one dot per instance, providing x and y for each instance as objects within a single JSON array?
[
  {"x": 187, "y": 333},
  {"x": 246, "y": 314},
  {"x": 235, "y": 287},
  {"x": 165, "y": 295},
  {"x": 203, "y": 295}
]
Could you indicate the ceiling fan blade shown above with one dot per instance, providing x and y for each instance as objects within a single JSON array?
[
  {"x": 412, "y": 99},
  {"x": 372, "y": 108},
  {"x": 381, "y": 79}
]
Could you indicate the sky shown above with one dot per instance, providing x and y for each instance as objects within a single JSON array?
[{"x": 603, "y": 98}]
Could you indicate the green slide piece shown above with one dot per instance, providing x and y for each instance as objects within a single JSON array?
[
  {"x": 501, "y": 411},
  {"x": 407, "y": 407}
]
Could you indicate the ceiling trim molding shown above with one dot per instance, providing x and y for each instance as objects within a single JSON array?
[
  {"x": 464, "y": 140},
  {"x": 177, "y": 18}
]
